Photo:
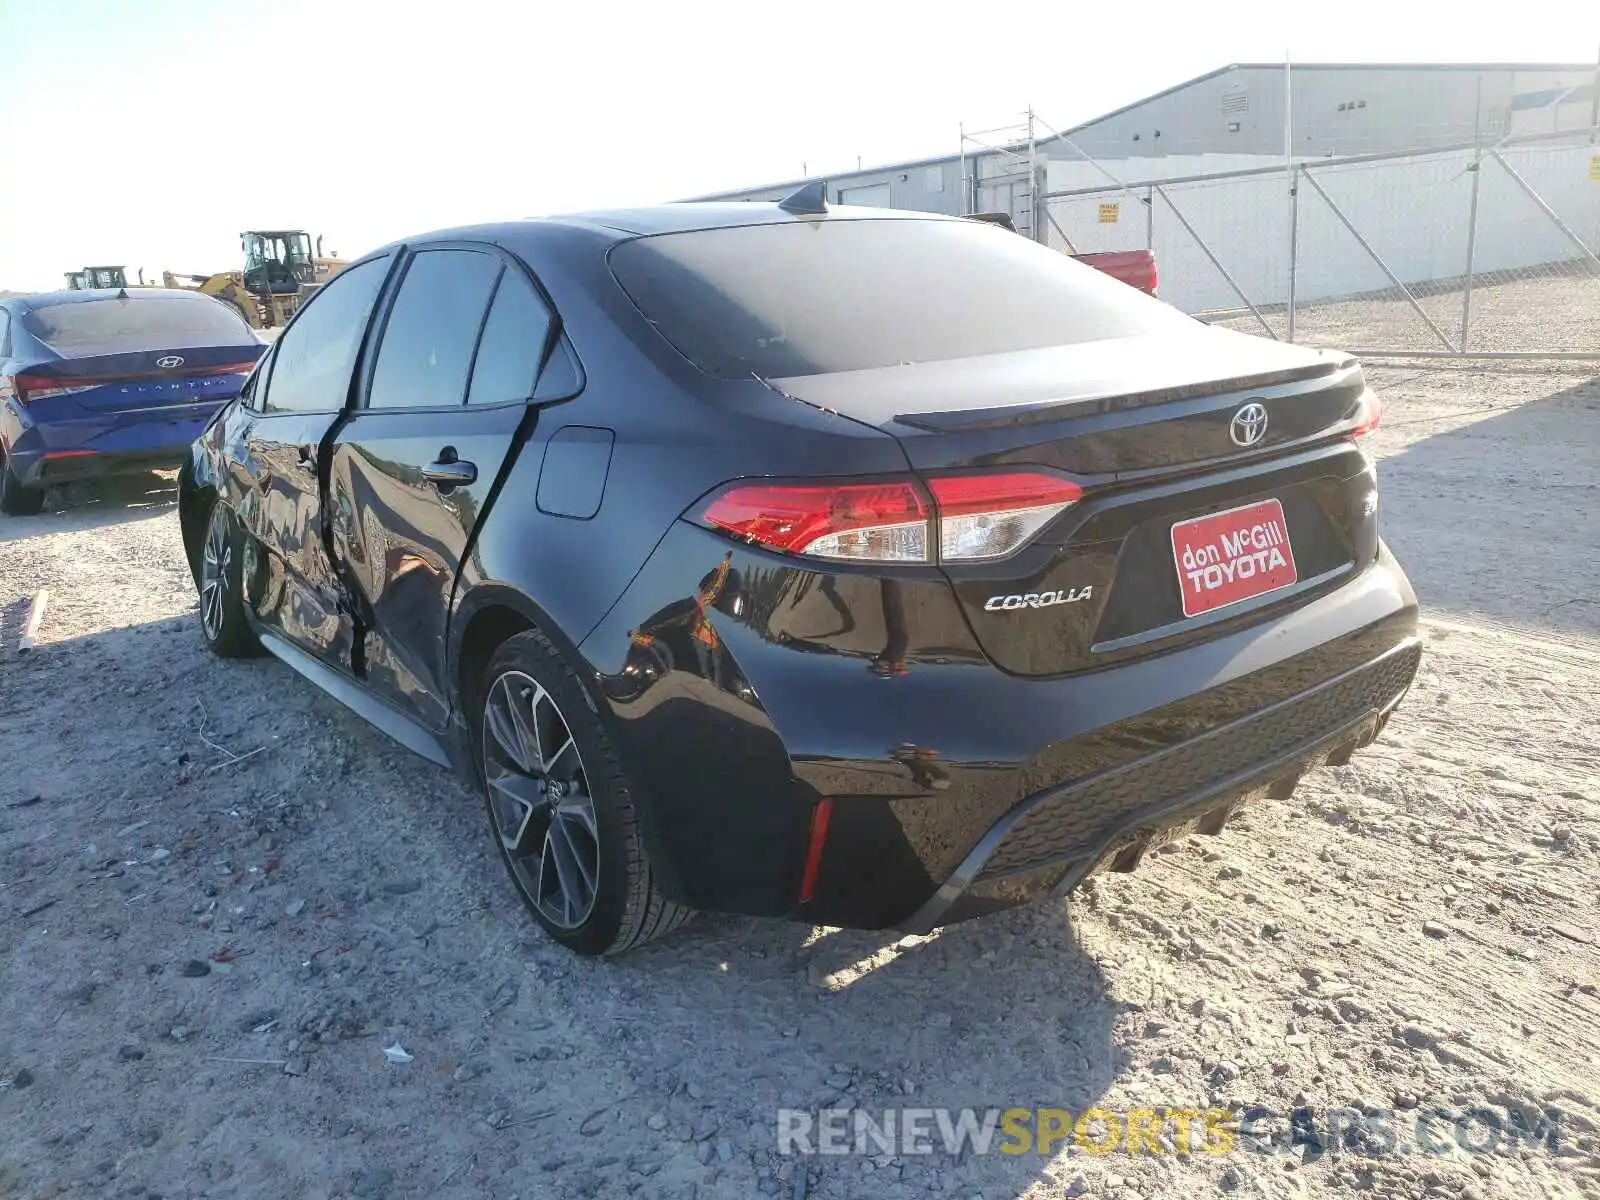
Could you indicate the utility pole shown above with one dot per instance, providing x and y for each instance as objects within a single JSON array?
[
  {"x": 966, "y": 189},
  {"x": 1034, "y": 230},
  {"x": 1294, "y": 189}
]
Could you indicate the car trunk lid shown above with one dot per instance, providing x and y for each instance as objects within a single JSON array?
[
  {"x": 141, "y": 379},
  {"x": 1106, "y": 407},
  {"x": 1151, "y": 428}
]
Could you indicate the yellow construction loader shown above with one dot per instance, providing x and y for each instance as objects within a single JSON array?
[
  {"x": 97, "y": 277},
  {"x": 280, "y": 272}
]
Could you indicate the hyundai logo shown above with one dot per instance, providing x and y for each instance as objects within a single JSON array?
[
  {"x": 169, "y": 361},
  {"x": 1249, "y": 424}
]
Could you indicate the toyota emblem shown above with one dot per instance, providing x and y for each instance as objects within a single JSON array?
[
  {"x": 170, "y": 361},
  {"x": 1249, "y": 424}
]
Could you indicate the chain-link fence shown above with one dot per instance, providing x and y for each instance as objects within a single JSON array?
[{"x": 1468, "y": 250}]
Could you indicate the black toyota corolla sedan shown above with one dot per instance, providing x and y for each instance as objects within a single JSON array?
[{"x": 860, "y": 567}]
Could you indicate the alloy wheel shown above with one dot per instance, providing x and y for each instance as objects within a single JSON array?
[
  {"x": 216, "y": 556},
  {"x": 539, "y": 798}
]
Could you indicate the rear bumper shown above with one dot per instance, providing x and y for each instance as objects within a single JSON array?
[
  {"x": 1051, "y": 841},
  {"x": 956, "y": 788},
  {"x": 49, "y": 452},
  {"x": 48, "y": 469}
]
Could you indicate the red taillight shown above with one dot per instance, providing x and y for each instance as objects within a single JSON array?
[
  {"x": 1368, "y": 416},
  {"x": 970, "y": 518},
  {"x": 238, "y": 368},
  {"x": 879, "y": 522},
  {"x": 38, "y": 387},
  {"x": 989, "y": 516}
]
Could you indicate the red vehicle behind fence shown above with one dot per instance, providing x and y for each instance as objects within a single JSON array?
[{"x": 1137, "y": 268}]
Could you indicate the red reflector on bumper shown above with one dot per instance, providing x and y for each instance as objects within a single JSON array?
[{"x": 819, "y": 836}]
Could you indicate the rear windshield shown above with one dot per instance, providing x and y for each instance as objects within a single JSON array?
[
  {"x": 115, "y": 324},
  {"x": 813, "y": 297}
]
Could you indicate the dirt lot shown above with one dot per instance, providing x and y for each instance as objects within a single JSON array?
[{"x": 222, "y": 897}]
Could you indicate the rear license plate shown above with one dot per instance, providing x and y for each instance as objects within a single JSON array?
[{"x": 1232, "y": 556}]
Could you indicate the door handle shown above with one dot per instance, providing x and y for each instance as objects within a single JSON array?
[{"x": 450, "y": 471}]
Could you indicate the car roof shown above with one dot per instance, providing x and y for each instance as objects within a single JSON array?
[
  {"x": 621, "y": 224},
  {"x": 690, "y": 217}
]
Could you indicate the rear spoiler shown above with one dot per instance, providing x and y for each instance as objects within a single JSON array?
[
  {"x": 995, "y": 218},
  {"x": 1014, "y": 415}
]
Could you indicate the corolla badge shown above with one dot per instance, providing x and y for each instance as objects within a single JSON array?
[
  {"x": 1249, "y": 424},
  {"x": 169, "y": 361},
  {"x": 1038, "y": 599}
]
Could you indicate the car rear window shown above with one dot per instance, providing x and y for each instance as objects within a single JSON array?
[
  {"x": 116, "y": 324},
  {"x": 814, "y": 297}
]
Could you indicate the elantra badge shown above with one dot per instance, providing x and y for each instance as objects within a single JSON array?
[{"x": 1037, "y": 599}]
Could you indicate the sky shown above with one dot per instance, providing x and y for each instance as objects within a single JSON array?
[{"x": 151, "y": 132}]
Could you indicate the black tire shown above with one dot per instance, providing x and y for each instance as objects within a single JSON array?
[
  {"x": 625, "y": 908},
  {"x": 219, "y": 578},
  {"x": 17, "y": 500}
]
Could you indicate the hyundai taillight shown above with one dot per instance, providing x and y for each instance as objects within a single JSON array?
[
  {"x": 967, "y": 518},
  {"x": 29, "y": 388},
  {"x": 41, "y": 387}
]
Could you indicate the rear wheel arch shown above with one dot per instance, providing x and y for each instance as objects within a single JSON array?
[
  {"x": 197, "y": 494},
  {"x": 490, "y": 616},
  {"x": 194, "y": 509},
  {"x": 17, "y": 500},
  {"x": 485, "y": 631}
]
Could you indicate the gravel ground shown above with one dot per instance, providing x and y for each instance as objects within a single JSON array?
[
  {"x": 1555, "y": 309},
  {"x": 223, "y": 897}
]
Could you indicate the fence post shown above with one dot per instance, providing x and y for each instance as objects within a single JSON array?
[
  {"x": 1150, "y": 218},
  {"x": 1294, "y": 243},
  {"x": 1472, "y": 247},
  {"x": 966, "y": 189},
  {"x": 1041, "y": 230}
]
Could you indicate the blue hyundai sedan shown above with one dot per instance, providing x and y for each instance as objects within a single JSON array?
[{"x": 100, "y": 382}]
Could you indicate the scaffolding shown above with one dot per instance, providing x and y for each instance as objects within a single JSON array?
[{"x": 1000, "y": 173}]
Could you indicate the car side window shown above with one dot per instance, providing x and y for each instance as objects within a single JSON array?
[
  {"x": 315, "y": 356},
  {"x": 428, "y": 340},
  {"x": 513, "y": 343},
  {"x": 5, "y": 333}
]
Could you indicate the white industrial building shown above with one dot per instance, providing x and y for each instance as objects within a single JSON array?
[
  {"x": 1387, "y": 154},
  {"x": 1234, "y": 117}
]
